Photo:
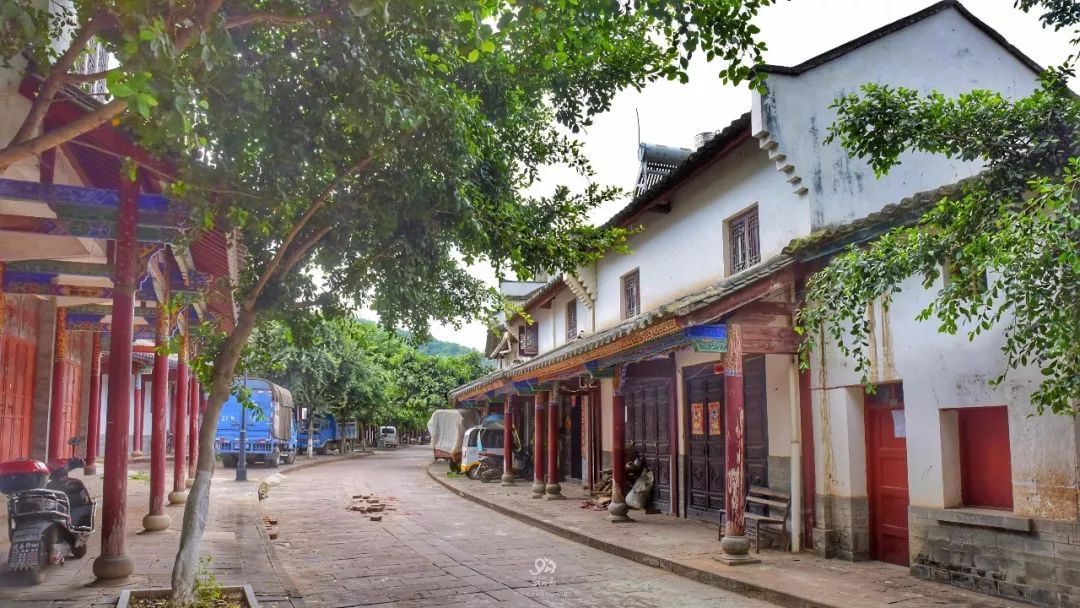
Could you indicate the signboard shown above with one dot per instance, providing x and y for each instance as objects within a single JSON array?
[{"x": 708, "y": 338}]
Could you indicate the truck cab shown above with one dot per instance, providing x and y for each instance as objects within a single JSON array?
[
  {"x": 326, "y": 435},
  {"x": 270, "y": 433}
]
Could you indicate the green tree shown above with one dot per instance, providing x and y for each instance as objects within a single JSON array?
[
  {"x": 387, "y": 143},
  {"x": 1017, "y": 222}
]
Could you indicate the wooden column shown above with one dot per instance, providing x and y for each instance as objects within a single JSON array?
[
  {"x": 93, "y": 414},
  {"x": 178, "y": 496},
  {"x": 735, "y": 544},
  {"x": 553, "y": 489},
  {"x": 137, "y": 412},
  {"x": 114, "y": 562},
  {"x": 539, "y": 402},
  {"x": 508, "y": 442},
  {"x": 156, "y": 519},
  {"x": 193, "y": 429},
  {"x": 617, "y": 508},
  {"x": 59, "y": 385}
]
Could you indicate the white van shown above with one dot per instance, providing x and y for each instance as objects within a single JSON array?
[{"x": 388, "y": 437}]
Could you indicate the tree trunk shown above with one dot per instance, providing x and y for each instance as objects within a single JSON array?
[{"x": 187, "y": 558}]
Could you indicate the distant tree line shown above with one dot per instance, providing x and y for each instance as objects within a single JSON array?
[{"x": 356, "y": 370}]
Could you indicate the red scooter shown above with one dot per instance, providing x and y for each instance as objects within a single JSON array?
[{"x": 46, "y": 521}]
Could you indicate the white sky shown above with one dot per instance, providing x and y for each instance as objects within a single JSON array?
[{"x": 672, "y": 113}]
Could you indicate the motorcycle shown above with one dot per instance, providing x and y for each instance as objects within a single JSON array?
[
  {"x": 46, "y": 521},
  {"x": 491, "y": 467}
]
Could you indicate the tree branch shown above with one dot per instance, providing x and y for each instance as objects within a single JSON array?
[
  {"x": 56, "y": 78},
  {"x": 81, "y": 78},
  {"x": 50, "y": 139},
  {"x": 319, "y": 203},
  {"x": 275, "y": 18}
]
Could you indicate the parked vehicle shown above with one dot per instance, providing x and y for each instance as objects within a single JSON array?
[
  {"x": 388, "y": 437},
  {"x": 328, "y": 435},
  {"x": 447, "y": 428},
  {"x": 46, "y": 521},
  {"x": 271, "y": 437},
  {"x": 490, "y": 467},
  {"x": 480, "y": 441}
]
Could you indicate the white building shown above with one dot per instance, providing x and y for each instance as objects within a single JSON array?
[{"x": 938, "y": 470}]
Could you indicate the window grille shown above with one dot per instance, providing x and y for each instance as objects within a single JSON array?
[
  {"x": 631, "y": 295},
  {"x": 528, "y": 340},
  {"x": 571, "y": 320},
  {"x": 95, "y": 59},
  {"x": 745, "y": 242}
]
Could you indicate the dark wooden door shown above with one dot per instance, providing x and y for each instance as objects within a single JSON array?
[
  {"x": 575, "y": 437},
  {"x": 887, "y": 478},
  {"x": 705, "y": 444},
  {"x": 757, "y": 422},
  {"x": 647, "y": 404}
]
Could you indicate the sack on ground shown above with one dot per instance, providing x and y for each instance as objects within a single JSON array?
[{"x": 641, "y": 494}]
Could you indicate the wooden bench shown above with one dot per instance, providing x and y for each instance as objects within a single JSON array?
[{"x": 775, "y": 506}]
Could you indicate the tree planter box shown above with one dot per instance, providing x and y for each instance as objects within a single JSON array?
[{"x": 131, "y": 594}]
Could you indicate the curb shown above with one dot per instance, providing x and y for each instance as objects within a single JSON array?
[{"x": 780, "y": 598}]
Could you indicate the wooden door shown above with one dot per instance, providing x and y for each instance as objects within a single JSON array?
[
  {"x": 704, "y": 392},
  {"x": 18, "y": 362},
  {"x": 757, "y": 422},
  {"x": 647, "y": 403},
  {"x": 72, "y": 392},
  {"x": 887, "y": 476},
  {"x": 575, "y": 437}
]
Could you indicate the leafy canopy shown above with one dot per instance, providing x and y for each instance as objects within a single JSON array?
[{"x": 1010, "y": 237}]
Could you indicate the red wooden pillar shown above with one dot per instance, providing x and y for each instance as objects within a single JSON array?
[
  {"x": 156, "y": 519},
  {"x": 553, "y": 489},
  {"x": 508, "y": 442},
  {"x": 137, "y": 412},
  {"x": 114, "y": 561},
  {"x": 539, "y": 402},
  {"x": 93, "y": 414},
  {"x": 735, "y": 544},
  {"x": 59, "y": 383},
  {"x": 178, "y": 496},
  {"x": 617, "y": 508},
  {"x": 193, "y": 429}
]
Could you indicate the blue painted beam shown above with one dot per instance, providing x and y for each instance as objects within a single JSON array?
[{"x": 60, "y": 194}]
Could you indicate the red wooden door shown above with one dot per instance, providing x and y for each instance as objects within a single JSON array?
[
  {"x": 18, "y": 359},
  {"x": 72, "y": 391},
  {"x": 705, "y": 443},
  {"x": 648, "y": 404},
  {"x": 887, "y": 476}
]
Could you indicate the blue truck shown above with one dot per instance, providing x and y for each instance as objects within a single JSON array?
[
  {"x": 327, "y": 436},
  {"x": 271, "y": 435}
]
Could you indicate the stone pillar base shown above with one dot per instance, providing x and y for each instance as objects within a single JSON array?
[
  {"x": 154, "y": 523},
  {"x": 507, "y": 479},
  {"x": 553, "y": 492},
  {"x": 178, "y": 497},
  {"x": 617, "y": 512},
  {"x": 736, "y": 551},
  {"x": 136, "y": 454},
  {"x": 113, "y": 567},
  {"x": 90, "y": 469},
  {"x": 189, "y": 482},
  {"x": 538, "y": 489}
]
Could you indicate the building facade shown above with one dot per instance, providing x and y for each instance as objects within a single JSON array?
[{"x": 683, "y": 350}]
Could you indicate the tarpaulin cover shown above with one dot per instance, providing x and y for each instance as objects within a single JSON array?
[{"x": 447, "y": 428}]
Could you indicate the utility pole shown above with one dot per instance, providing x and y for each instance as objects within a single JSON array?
[{"x": 241, "y": 463}]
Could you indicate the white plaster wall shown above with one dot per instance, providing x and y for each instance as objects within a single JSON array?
[
  {"x": 544, "y": 318},
  {"x": 558, "y": 307},
  {"x": 940, "y": 372},
  {"x": 684, "y": 251},
  {"x": 943, "y": 52},
  {"x": 779, "y": 403}
]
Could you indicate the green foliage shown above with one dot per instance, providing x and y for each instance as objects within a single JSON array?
[
  {"x": 1017, "y": 224},
  {"x": 357, "y": 371}
]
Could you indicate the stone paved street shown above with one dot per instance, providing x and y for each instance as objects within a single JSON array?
[{"x": 433, "y": 548}]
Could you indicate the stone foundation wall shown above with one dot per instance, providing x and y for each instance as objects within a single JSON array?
[
  {"x": 842, "y": 527},
  {"x": 1032, "y": 560}
]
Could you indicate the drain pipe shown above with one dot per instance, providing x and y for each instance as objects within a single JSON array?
[{"x": 796, "y": 457}]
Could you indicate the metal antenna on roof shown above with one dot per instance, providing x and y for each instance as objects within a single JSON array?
[{"x": 637, "y": 114}]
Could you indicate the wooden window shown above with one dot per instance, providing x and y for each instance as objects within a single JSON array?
[
  {"x": 571, "y": 320},
  {"x": 985, "y": 457},
  {"x": 528, "y": 340},
  {"x": 631, "y": 294},
  {"x": 745, "y": 244}
]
